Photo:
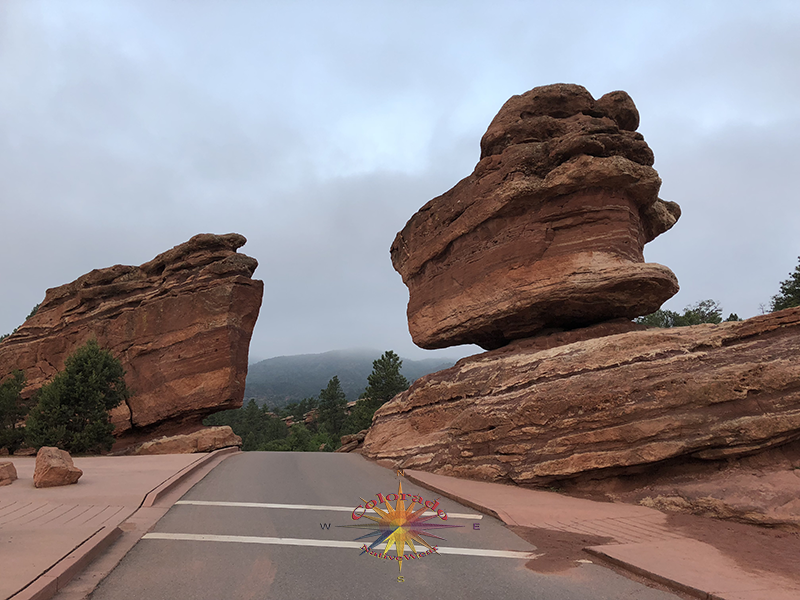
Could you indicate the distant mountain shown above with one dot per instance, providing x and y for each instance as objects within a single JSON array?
[{"x": 283, "y": 379}]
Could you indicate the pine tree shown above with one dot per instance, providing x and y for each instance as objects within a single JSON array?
[
  {"x": 385, "y": 381},
  {"x": 72, "y": 410},
  {"x": 789, "y": 295},
  {"x": 332, "y": 408}
]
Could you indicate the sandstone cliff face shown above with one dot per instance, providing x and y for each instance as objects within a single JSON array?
[
  {"x": 607, "y": 406},
  {"x": 180, "y": 323},
  {"x": 548, "y": 230}
]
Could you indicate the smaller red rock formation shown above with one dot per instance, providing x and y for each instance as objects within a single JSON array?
[
  {"x": 54, "y": 467},
  {"x": 8, "y": 473},
  {"x": 180, "y": 324},
  {"x": 548, "y": 231},
  {"x": 204, "y": 440}
]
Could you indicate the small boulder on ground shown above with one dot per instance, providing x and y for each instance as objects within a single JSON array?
[
  {"x": 54, "y": 467},
  {"x": 8, "y": 473}
]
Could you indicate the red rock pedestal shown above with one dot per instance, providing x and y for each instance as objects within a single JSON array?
[
  {"x": 54, "y": 467},
  {"x": 612, "y": 406}
]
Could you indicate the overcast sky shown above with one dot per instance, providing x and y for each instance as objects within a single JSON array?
[{"x": 316, "y": 129}]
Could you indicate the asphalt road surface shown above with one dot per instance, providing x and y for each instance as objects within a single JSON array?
[{"x": 269, "y": 525}]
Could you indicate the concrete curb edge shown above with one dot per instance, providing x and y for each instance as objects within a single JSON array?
[
  {"x": 595, "y": 551},
  {"x": 158, "y": 492},
  {"x": 455, "y": 497},
  {"x": 49, "y": 583},
  {"x": 56, "y": 577}
]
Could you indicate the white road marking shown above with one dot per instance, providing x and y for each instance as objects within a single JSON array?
[
  {"x": 275, "y": 541},
  {"x": 310, "y": 507}
]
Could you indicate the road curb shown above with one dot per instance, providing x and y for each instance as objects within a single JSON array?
[
  {"x": 456, "y": 498},
  {"x": 167, "y": 486},
  {"x": 594, "y": 551},
  {"x": 597, "y": 552},
  {"x": 56, "y": 577}
]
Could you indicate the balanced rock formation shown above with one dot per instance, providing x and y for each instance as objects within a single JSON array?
[
  {"x": 54, "y": 467},
  {"x": 8, "y": 473},
  {"x": 603, "y": 407},
  {"x": 546, "y": 233},
  {"x": 204, "y": 440},
  {"x": 180, "y": 323},
  {"x": 537, "y": 257}
]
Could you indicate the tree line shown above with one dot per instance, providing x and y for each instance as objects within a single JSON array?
[
  {"x": 710, "y": 311},
  {"x": 317, "y": 423}
]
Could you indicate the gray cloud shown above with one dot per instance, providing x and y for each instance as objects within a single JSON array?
[{"x": 317, "y": 130}]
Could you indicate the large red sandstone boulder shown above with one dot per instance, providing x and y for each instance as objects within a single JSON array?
[
  {"x": 203, "y": 440},
  {"x": 54, "y": 467},
  {"x": 546, "y": 233},
  {"x": 8, "y": 473},
  {"x": 180, "y": 323},
  {"x": 615, "y": 405}
]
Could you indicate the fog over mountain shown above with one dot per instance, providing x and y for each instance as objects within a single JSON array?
[{"x": 283, "y": 379}]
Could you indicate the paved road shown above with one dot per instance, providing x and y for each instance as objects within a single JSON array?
[{"x": 257, "y": 527}]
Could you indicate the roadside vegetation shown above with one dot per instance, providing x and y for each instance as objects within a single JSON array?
[
  {"x": 71, "y": 411},
  {"x": 315, "y": 424}
]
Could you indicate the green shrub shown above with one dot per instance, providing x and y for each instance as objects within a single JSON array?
[
  {"x": 789, "y": 295},
  {"x": 72, "y": 410},
  {"x": 12, "y": 410}
]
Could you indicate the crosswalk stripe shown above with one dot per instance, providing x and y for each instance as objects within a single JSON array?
[
  {"x": 276, "y": 541},
  {"x": 348, "y": 509}
]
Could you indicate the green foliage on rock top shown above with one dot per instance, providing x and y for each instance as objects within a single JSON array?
[
  {"x": 12, "y": 410},
  {"x": 705, "y": 311},
  {"x": 789, "y": 295},
  {"x": 72, "y": 410},
  {"x": 34, "y": 310}
]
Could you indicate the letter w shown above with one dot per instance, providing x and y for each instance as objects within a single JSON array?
[{"x": 325, "y": 525}]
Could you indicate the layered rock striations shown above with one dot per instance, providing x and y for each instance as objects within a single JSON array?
[
  {"x": 546, "y": 233},
  {"x": 620, "y": 402},
  {"x": 180, "y": 324}
]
